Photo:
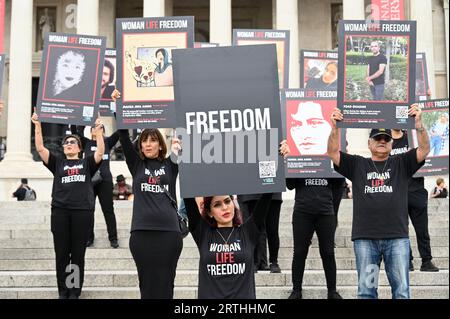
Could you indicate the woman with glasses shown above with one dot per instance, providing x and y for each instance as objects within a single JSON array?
[{"x": 72, "y": 207}]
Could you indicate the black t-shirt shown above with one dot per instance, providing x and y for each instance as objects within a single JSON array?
[
  {"x": 442, "y": 193},
  {"x": 20, "y": 193},
  {"x": 312, "y": 195},
  {"x": 152, "y": 208},
  {"x": 226, "y": 271},
  {"x": 374, "y": 66},
  {"x": 90, "y": 146},
  {"x": 380, "y": 198},
  {"x": 72, "y": 187},
  {"x": 400, "y": 146}
]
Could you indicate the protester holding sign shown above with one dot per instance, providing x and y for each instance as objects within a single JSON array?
[
  {"x": 313, "y": 212},
  {"x": 103, "y": 184},
  {"x": 72, "y": 204},
  {"x": 380, "y": 198},
  {"x": 226, "y": 244},
  {"x": 155, "y": 241},
  {"x": 417, "y": 206}
]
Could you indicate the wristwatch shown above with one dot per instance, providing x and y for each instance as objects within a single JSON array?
[{"x": 420, "y": 129}]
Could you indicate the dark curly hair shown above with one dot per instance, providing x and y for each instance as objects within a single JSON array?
[{"x": 237, "y": 219}]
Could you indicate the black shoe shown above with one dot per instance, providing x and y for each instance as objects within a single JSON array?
[
  {"x": 114, "y": 243},
  {"x": 63, "y": 297},
  {"x": 295, "y": 294},
  {"x": 334, "y": 295},
  {"x": 411, "y": 266},
  {"x": 274, "y": 268},
  {"x": 255, "y": 269},
  {"x": 89, "y": 243},
  {"x": 428, "y": 266},
  {"x": 73, "y": 297}
]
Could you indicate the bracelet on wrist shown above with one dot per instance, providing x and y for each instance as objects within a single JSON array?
[{"x": 420, "y": 129}]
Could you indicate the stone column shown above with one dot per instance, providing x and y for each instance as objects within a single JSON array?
[
  {"x": 446, "y": 38},
  {"x": 353, "y": 9},
  {"x": 357, "y": 138},
  {"x": 19, "y": 98},
  {"x": 220, "y": 22},
  {"x": 287, "y": 19},
  {"x": 169, "y": 8},
  {"x": 154, "y": 8},
  {"x": 87, "y": 17},
  {"x": 421, "y": 11}
]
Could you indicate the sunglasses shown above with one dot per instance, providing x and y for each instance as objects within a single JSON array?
[
  {"x": 70, "y": 142},
  {"x": 386, "y": 138}
]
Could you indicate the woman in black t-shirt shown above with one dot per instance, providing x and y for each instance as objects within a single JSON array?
[
  {"x": 155, "y": 240},
  {"x": 314, "y": 211},
  {"x": 226, "y": 245},
  {"x": 72, "y": 206}
]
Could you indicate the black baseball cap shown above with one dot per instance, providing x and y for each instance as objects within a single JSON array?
[{"x": 380, "y": 131}]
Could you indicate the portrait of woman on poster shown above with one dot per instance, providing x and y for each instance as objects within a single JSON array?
[
  {"x": 309, "y": 130},
  {"x": 328, "y": 79},
  {"x": 163, "y": 70}
]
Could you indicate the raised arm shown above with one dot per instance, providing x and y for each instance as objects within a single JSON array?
[
  {"x": 38, "y": 139},
  {"x": 422, "y": 136},
  {"x": 131, "y": 156},
  {"x": 98, "y": 130},
  {"x": 333, "y": 139},
  {"x": 193, "y": 213},
  {"x": 112, "y": 140}
]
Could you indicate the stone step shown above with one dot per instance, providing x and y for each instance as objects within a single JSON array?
[
  {"x": 125, "y": 225},
  {"x": 123, "y": 233},
  {"x": 189, "y": 278},
  {"x": 192, "y": 252},
  {"x": 285, "y": 241},
  {"x": 285, "y": 263},
  {"x": 14, "y": 219},
  {"x": 10, "y": 209},
  {"x": 345, "y": 204},
  {"x": 309, "y": 292}
]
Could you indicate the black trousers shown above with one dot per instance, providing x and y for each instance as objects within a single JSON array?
[
  {"x": 270, "y": 237},
  {"x": 156, "y": 256},
  {"x": 418, "y": 213},
  {"x": 70, "y": 229},
  {"x": 304, "y": 226},
  {"x": 103, "y": 191}
]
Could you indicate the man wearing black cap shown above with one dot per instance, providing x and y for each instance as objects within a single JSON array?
[{"x": 380, "y": 204}]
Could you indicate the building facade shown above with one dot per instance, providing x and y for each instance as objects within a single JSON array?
[{"x": 312, "y": 24}]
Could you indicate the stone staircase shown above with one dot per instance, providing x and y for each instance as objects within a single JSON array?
[{"x": 27, "y": 258}]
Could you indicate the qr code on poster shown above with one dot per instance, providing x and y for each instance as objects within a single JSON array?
[
  {"x": 401, "y": 112},
  {"x": 88, "y": 111},
  {"x": 267, "y": 169}
]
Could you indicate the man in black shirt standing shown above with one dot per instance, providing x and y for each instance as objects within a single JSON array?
[
  {"x": 380, "y": 204},
  {"x": 417, "y": 207},
  {"x": 375, "y": 72}
]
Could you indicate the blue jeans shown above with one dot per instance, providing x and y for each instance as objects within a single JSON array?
[
  {"x": 377, "y": 92},
  {"x": 436, "y": 145},
  {"x": 395, "y": 253}
]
